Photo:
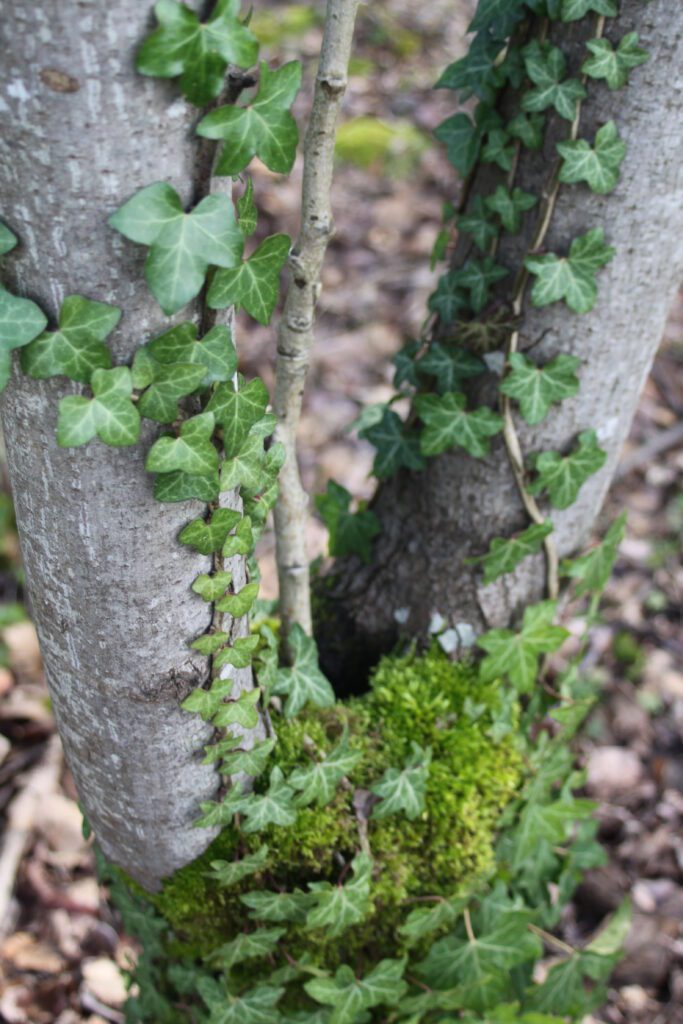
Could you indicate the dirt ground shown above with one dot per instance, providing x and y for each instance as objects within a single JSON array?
[{"x": 60, "y": 945}]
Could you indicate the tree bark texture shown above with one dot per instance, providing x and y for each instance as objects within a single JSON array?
[
  {"x": 109, "y": 585},
  {"x": 433, "y": 521}
]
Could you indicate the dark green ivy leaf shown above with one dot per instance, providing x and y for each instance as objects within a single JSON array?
[
  {"x": 257, "y": 1006},
  {"x": 215, "y": 351},
  {"x": 477, "y": 222},
  {"x": 193, "y": 452},
  {"x": 449, "y": 425},
  {"x": 573, "y": 10},
  {"x": 159, "y": 401},
  {"x": 573, "y": 277},
  {"x": 463, "y": 136},
  {"x": 255, "y": 283},
  {"x": 349, "y": 996},
  {"x": 351, "y": 533},
  {"x": 498, "y": 149},
  {"x": 237, "y": 409},
  {"x": 506, "y": 553},
  {"x": 274, "y": 807},
  {"x": 109, "y": 414},
  {"x": 334, "y": 908},
  {"x": 179, "y": 486},
  {"x": 396, "y": 448},
  {"x": 246, "y": 946},
  {"x": 77, "y": 347},
  {"x": 207, "y": 537},
  {"x": 303, "y": 682},
  {"x": 528, "y": 128},
  {"x": 598, "y": 166},
  {"x": 426, "y": 920},
  {"x": 20, "y": 322},
  {"x": 537, "y": 387},
  {"x": 593, "y": 569},
  {"x": 563, "y": 476},
  {"x": 475, "y": 73},
  {"x": 490, "y": 11},
  {"x": 511, "y": 206},
  {"x": 477, "y": 277},
  {"x": 449, "y": 366},
  {"x": 516, "y": 654},
  {"x": 614, "y": 66},
  {"x": 247, "y": 213},
  {"x": 547, "y": 66}
]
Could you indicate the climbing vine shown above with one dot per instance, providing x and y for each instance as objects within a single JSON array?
[{"x": 323, "y": 797}]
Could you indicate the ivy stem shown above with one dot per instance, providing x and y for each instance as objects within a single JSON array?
[
  {"x": 296, "y": 331},
  {"x": 552, "y": 940},
  {"x": 468, "y": 926}
]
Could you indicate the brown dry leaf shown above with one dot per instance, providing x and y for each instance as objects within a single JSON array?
[
  {"x": 102, "y": 978},
  {"x": 26, "y": 953}
]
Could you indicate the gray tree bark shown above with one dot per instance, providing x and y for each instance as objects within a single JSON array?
[
  {"x": 433, "y": 521},
  {"x": 108, "y": 583}
]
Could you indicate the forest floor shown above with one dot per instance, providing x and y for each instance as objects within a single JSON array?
[{"x": 60, "y": 945}]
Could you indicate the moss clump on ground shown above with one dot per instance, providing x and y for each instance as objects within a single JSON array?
[{"x": 424, "y": 699}]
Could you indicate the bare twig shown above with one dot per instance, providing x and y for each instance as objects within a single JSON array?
[{"x": 295, "y": 336}]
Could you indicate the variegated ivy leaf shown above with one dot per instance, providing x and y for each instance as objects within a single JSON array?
[
  {"x": 228, "y": 873},
  {"x": 318, "y": 782},
  {"x": 516, "y": 654},
  {"x": 215, "y": 352},
  {"x": 574, "y": 10},
  {"x": 572, "y": 277},
  {"x": 349, "y": 996},
  {"x": 463, "y": 137},
  {"x": 77, "y": 347},
  {"x": 404, "y": 790},
  {"x": 449, "y": 365},
  {"x": 212, "y": 587},
  {"x": 210, "y": 643},
  {"x": 159, "y": 402},
  {"x": 498, "y": 149},
  {"x": 109, "y": 414},
  {"x": 351, "y": 533},
  {"x": 547, "y": 67},
  {"x": 505, "y": 553},
  {"x": 426, "y": 920},
  {"x": 239, "y": 655},
  {"x": 396, "y": 446},
  {"x": 537, "y": 387},
  {"x": 247, "y": 213},
  {"x": 599, "y": 166},
  {"x": 562, "y": 476},
  {"x": 245, "y": 762},
  {"x": 477, "y": 222},
  {"x": 335, "y": 908},
  {"x": 593, "y": 570},
  {"x": 529, "y": 129},
  {"x": 20, "y": 322},
  {"x": 237, "y": 409},
  {"x": 277, "y": 906},
  {"x": 303, "y": 683},
  {"x": 209, "y": 536},
  {"x": 197, "y": 53},
  {"x": 274, "y": 807},
  {"x": 182, "y": 245},
  {"x": 246, "y": 946},
  {"x": 477, "y": 277},
  {"x": 254, "y": 284},
  {"x": 242, "y": 541},
  {"x": 8, "y": 240},
  {"x": 265, "y": 128},
  {"x": 256, "y": 1006},
  {"x": 511, "y": 206},
  {"x": 179, "y": 486},
  {"x": 614, "y": 66},
  {"x": 192, "y": 452},
  {"x": 240, "y": 603},
  {"x": 449, "y": 425}
]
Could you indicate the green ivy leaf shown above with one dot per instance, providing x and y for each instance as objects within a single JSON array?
[
  {"x": 303, "y": 683},
  {"x": 215, "y": 351},
  {"x": 274, "y": 807},
  {"x": 250, "y": 762},
  {"x": 20, "y": 322},
  {"x": 425, "y": 921},
  {"x": 237, "y": 409},
  {"x": 218, "y": 815},
  {"x": 181, "y": 245},
  {"x": 247, "y": 213},
  {"x": 537, "y": 387},
  {"x": 449, "y": 365},
  {"x": 477, "y": 277},
  {"x": 192, "y": 452},
  {"x": 511, "y": 206},
  {"x": 573, "y": 10},
  {"x": 351, "y": 533},
  {"x": 498, "y": 149},
  {"x": 336, "y": 907},
  {"x": 209, "y": 643},
  {"x": 246, "y": 946},
  {"x": 109, "y": 415},
  {"x": 477, "y": 222},
  {"x": 159, "y": 402},
  {"x": 207, "y": 537},
  {"x": 8, "y": 240},
  {"x": 573, "y": 277},
  {"x": 77, "y": 347},
  {"x": 255, "y": 284},
  {"x": 349, "y": 996},
  {"x": 594, "y": 569},
  {"x": 277, "y": 906},
  {"x": 210, "y": 588},
  {"x": 506, "y": 553},
  {"x": 528, "y": 129},
  {"x": 318, "y": 782},
  {"x": 228, "y": 873},
  {"x": 614, "y": 66},
  {"x": 197, "y": 53},
  {"x": 239, "y": 655},
  {"x": 249, "y": 468},
  {"x": 449, "y": 300},
  {"x": 207, "y": 702},
  {"x": 463, "y": 137},
  {"x": 598, "y": 166},
  {"x": 242, "y": 541},
  {"x": 257, "y": 1006},
  {"x": 476, "y": 72},
  {"x": 491, "y": 11},
  {"x": 448, "y": 425},
  {"x": 404, "y": 790},
  {"x": 545, "y": 822},
  {"x": 563, "y": 476},
  {"x": 516, "y": 654},
  {"x": 241, "y": 712},
  {"x": 239, "y": 604},
  {"x": 180, "y": 486},
  {"x": 547, "y": 67},
  {"x": 265, "y": 129}
]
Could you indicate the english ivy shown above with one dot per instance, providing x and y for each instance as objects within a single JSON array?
[
  {"x": 598, "y": 165},
  {"x": 572, "y": 277},
  {"x": 562, "y": 476},
  {"x": 109, "y": 414},
  {"x": 254, "y": 284},
  {"x": 77, "y": 347}
]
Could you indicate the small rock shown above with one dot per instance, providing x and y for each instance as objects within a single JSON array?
[
  {"x": 24, "y": 653},
  {"x": 635, "y": 998},
  {"x": 103, "y": 979},
  {"x": 613, "y": 771}
]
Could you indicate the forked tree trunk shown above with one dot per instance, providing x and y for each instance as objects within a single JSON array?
[
  {"x": 109, "y": 585},
  {"x": 433, "y": 521}
]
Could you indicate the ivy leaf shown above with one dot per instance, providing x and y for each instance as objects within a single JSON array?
[
  {"x": 573, "y": 277},
  {"x": 614, "y": 66},
  {"x": 210, "y": 588},
  {"x": 207, "y": 702},
  {"x": 198, "y": 53},
  {"x": 546, "y": 67},
  {"x": 192, "y": 452},
  {"x": 159, "y": 402},
  {"x": 241, "y": 712},
  {"x": 449, "y": 366},
  {"x": 237, "y": 409},
  {"x": 336, "y": 907},
  {"x": 318, "y": 782},
  {"x": 265, "y": 129},
  {"x": 563, "y": 476},
  {"x": 511, "y": 206},
  {"x": 228, "y": 873},
  {"x": 537, "y": 387},
  {"x": 246, "y": 946},
  {"x": 351, "y": 533},
  {"x": 180, "y": 486},
  {"x": 475, "y": 73},
  {"x": 448, "y": 425},
  {"x": 246, "y": 762},
  {"x": 182, "y": 245},
  {"x": 516, "y": 654},
  {"x": 528, "y": 129},
  {"x": 303, "y": 682},
  {"x": 463, "y": 137},
  {"x": 240, "y": 603},
  {"x": 20, "y": 322},
  {"x": 594, "y": 569},
  {"x": 450, "y": 299},
  {"x": 425, "y": 921},
  {"x": 477, "y": 222},
  {"x": 404, "y": 361},
  {"x": 215, "y": 351},
  {"x": 499, "y": 150},
  {"x": 274, "y": 807},
  {"x": 598, "y": 166},
  {"x": 506, "y": 553},
  {"x": 395, "y": 447},
  {"x": 349, "y": 996},
  {"x": 242, "y": 541},
  {"x": 247, "y": 213},
  {"x": 404, "y": 790},
  {"x": 209, "y": 643},
  {"x": 109, "y": 415},
  {"x": 277, "y": 906},
  {"x": 549, "y": 822},
  {"x": 255, "y": 283},
  {"x": 8, "y": 240},
  {"x": 477, "y": 277},
  {"x": 218, "y": 815},
  {"x": 77, "y": 347},
  {"x": 210, "y": 536},
  {"x": 257, "y": 1006},
  {"x": 491, "y": 11},
  {"x": 239, "y": 655},
  {"x": 573, "y": 10}
]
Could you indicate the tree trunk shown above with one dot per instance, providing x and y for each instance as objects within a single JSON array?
[
  {"x": 433, "y": 521},
  {"x": 108, "y": 583}
]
